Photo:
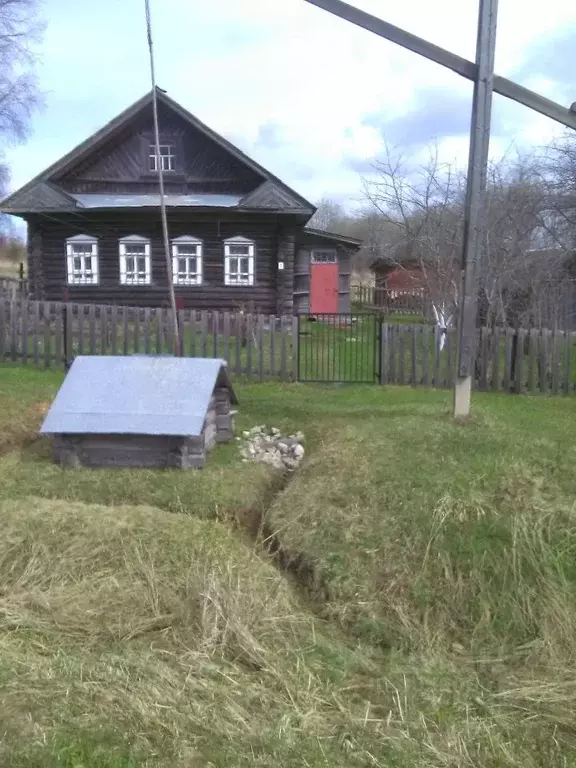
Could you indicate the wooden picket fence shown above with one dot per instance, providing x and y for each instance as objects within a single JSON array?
[
  {"x": 509, "y": 360},
  {"x": 391, "y": 302},
  {"x": 269, "y": 347},
  {"x": 53, "y": 333},
  {"x": 13, "y": 288}
]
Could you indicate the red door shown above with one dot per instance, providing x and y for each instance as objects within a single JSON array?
[{"x": 323, "y": 288}]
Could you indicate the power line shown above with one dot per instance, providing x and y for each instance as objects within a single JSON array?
[{"x": 160, "y": 171}]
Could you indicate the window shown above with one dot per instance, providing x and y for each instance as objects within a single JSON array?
[
  {"x": 187, "y": 260},
  {"x": 135, "y": 266},
  {"x": 82, "y": 260},
  {"x": 323, "y": 257},
  {"x": 167, "y": 157},
  {"x": 238, "y": 261}
]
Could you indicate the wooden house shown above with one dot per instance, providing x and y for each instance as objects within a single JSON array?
[
  {"x": 238, "y": 234},
  {"x": 140, "y": 411}
]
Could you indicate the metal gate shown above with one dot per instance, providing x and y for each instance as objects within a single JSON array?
[{"x": 339, "y": 348}]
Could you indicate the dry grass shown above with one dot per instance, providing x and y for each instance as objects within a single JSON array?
[{"x": 133, "y": 636}]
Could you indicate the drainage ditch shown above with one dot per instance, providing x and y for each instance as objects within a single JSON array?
[{"x": 301, "y": 572}]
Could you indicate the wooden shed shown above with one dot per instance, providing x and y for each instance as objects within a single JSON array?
[{"x": 140, "y": 411}]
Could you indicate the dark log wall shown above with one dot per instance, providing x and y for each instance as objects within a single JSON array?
[
  {"x": 122, "y": 166},
  {"x": 35, "y": 269},
  {"x": 285, "y": 278},
  {"x": 269, "y": 293},
  {"x": 130, "y": 451}
]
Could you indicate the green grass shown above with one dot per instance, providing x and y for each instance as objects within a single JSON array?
[
  {"x": 24, "y": 397},
  {"x": 427, "y": 617},
  {"x": 330, "y": 350}
]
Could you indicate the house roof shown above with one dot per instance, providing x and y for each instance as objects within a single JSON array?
[
  {"x": 137, "y": 395},
  {"x": 30, "y": 198},
  {"x": 333, "y": 237}
]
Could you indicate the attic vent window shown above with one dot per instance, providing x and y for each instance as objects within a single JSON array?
[
  {"x": 166, "y": 157},
  {"x": 135, "y": 266},
  {"x": 82, "y": 260},
  {"x": 239, "y": 261}
]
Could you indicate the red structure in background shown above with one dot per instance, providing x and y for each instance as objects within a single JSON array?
[{"x": 404, "y": 280}]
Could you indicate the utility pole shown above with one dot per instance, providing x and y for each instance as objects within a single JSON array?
[
  {"x": 475, "y": 206},
  {"x": 163, "y": 216},
  {"x": 481, "y": 72}
]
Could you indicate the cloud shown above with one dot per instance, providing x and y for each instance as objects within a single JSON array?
[
  {"x": 270, "y": 135},
  {"x": 552, "y": 59},
  {"x": 433, "y": 114},
  {"x": 308, "y": 95}
]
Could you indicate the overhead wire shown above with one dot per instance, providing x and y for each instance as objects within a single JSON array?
[{"x": 159, "y": 169}]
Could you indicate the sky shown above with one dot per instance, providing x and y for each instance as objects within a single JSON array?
[{"x": 309, "y": 96}]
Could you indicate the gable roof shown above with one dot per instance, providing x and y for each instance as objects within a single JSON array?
[
  {"x": 30, "y": 194},
  {"x": 333, "y": 237},
  {"x": 271, "y": 195},
  {"x": 137, "y": 395}
]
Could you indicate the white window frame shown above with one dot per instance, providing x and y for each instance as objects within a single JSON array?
[
  {"x": 316, "y": 259},
  {"x": 134, "y": 279},
  {"x": 235, "y": 278},
  {"x": 89, "y": 249},
  {"x": 189, "y": 277},
  {"x": 167, "y": 161}
]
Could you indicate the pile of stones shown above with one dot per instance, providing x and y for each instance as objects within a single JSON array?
[{"x": 269, "y": 446}]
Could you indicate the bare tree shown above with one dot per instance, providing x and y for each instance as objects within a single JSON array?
[
  {"x": 514, "y": 269},
  {"x": 419, "y": 223},
  {"x": 424, "y": 205},
  {"x": 19, "y": 95},
  {"x": 557, "y": 173},
  {"x": 329, "y": 216}
]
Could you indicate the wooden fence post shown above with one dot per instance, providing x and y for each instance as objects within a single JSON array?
[
  {"x": 568, "y": 337},
  {"x": 519, "y": 361},
  {"x": 295, "y": 348},
  {"x": 384, "y": 353},
  {"x": 65, "y": 333},
  {"x": 2, "y": 330}
]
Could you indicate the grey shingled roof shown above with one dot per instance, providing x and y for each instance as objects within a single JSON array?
[{"x": 136, "y": 395}]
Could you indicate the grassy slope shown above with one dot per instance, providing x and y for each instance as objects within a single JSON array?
[
  {"x": 453, "y": 546},
  {"x": 132, "y": 636},
  {"x": 446, "y": 552}
]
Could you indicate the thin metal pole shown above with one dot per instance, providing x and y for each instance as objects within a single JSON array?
[
  {"x": 176, "y": 330},
  {"x": 475, "y": 206}
]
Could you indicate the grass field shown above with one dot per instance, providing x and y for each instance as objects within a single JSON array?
[{"x": 420, "y": 611}]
